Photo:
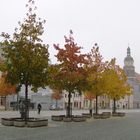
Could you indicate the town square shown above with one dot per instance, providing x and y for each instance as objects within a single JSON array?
[
  {"x": 114, "y": 128},
  {"x": 69, "y": 70}
]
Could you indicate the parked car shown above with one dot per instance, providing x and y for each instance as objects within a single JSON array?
[{"x": 54, "y": 107}]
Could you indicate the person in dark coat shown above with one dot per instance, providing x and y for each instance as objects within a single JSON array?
[{"x": 39, "y": 108}]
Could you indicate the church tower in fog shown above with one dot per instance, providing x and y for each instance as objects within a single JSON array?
[{"x": 129, "y": 65}]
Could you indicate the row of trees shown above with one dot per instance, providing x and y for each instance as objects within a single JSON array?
[{"x": 26, "y": 61}]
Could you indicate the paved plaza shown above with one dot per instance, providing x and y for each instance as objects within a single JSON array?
[{"x": 114, "y": 128}]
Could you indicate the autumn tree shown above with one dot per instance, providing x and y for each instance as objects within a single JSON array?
[
  {"x": 6, "y": 88},
  {"x": 115, "y": 83},
  {"x": 69, "y": 74},
  {"x": 56, "y": 95},
  {"x": 94, "y": 68},
  {"x": 26, "y": 57}
]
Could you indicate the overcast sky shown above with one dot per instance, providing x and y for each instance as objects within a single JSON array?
[{"x": 113, "y": 24}]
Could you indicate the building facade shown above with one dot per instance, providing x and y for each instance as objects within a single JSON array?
[{"x": 133, "y": 78}]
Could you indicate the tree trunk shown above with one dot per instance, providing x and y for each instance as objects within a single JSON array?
[
  {"x": 17, "y": 107},
  {"x": 56, "y": 104},
  {"x": 5, "y": 103},
  {"x": 69, "y": 109},
  {"x": 96, "y": 107},
  {"x": 90, "y": 108},
  {"x": 26, "y": 104},
  {"x": 114, "y": 105}
]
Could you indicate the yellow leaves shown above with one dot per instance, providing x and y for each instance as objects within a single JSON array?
[
  {"x": 89, "y": 95},
  {"x": 95, "y": 68},
  {"x": 2, "y": 66},
  {"x": 115, "y": 81}
]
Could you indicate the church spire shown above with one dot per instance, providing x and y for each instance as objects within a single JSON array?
[{"x": 128, "y": 52}]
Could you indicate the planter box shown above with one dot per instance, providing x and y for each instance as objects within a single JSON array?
[
  {"x": 37, "y": 122},
  {"x": 121, "y": 114},
  {"x": 114, "y": 114},
  {"x": 118, "y": 114},
  {"x": 79, "y": 119},
  {"x": 105, "y": 115},
  {"x": 19, "y": 123},
  {"x": 86, "y": 115},
  {"x": 8, "y": 121},
  {"x": 97, "y": 116},
  {"x": 58, "y": 118},
  {"x": 67, "y": 119}
]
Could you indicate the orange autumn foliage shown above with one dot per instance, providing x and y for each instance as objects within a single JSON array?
[
  {"x": 71, "y": 74},
  {"x": 56, "y": 94},
  {"x": 89, "y": 95},
  {"x": 6, "y": 88}
]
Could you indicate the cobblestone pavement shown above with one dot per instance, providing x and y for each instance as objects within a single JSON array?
[{"x": 114, "y": 128}]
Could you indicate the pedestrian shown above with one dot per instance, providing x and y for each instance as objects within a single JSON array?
[{"x": 39, "y": 108}]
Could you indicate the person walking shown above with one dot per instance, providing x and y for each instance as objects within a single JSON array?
[{"x": 39, "y": 108}]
